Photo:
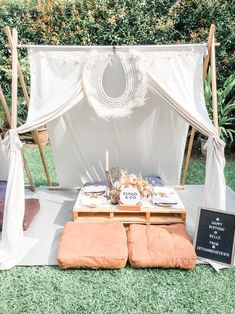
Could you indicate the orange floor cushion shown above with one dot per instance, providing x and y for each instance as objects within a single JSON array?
[
  {"x": 166, "y": 246},
  {"x": 93, "y": 245}
]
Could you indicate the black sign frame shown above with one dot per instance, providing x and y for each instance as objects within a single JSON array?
[{"x": 195, "y": 242}]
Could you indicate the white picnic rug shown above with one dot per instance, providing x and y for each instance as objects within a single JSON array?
[{"x": 56, "y": 210}]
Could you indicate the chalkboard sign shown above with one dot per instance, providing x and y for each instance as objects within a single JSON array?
[{"x": 214, "y": 238}]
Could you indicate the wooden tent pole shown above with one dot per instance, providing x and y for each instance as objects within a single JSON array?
[
  {"x": 209, "y": 48},
  {"x": 26, "y": 168},
  {"x": 8, "y": 115},
  {"x": 5, "y": 107},
  {"x": 188, "y": 156},
  {"x": 14, "y": 80},
  {"x": 213, "y": 86},
  {"x": 21, "y": 77},
  {"x": 26, "y": 96},
  {"x": 42, "y": 157},
  {"x": 205, "y": 68}
]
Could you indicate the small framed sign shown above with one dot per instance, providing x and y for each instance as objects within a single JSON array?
[
  {"x": 130, "y": 196},
  {"x": 214, "y": 238}
]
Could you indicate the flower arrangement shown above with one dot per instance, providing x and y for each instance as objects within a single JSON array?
[{"x": 132, "y": 181}]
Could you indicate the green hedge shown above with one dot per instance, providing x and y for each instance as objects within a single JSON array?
[{"x": 109, "y": 22}]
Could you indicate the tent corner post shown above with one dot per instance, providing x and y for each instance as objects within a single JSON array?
[
  {"x": 187, "y": 161},
  {"x": 211, "y": 57},
  {"x": 211, "y": 51},
  {"x": 5, "y": 107},
  {"x": 8, "y": 115},
  {"x": 26, "y": 96},
  {"x": 35, "y": 132},
  {"x": 27, "y": 171},
  {"x": 214, "y": 86},
  {"x": 14, "y": 80},
  {"x": 209, "y": 47}
]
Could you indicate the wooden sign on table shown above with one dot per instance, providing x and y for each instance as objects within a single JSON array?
[{"x": 130, "y": 199}]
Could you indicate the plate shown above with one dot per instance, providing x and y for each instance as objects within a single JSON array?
[
  {"x": 165, "y": 205},
  {"x": 99, "y": 189},
  {"x": 93, "y": 201},
  {"x": 163, "y": 190}
]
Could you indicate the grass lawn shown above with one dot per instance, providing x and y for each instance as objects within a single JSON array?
[{"x": 49, "y": 290}]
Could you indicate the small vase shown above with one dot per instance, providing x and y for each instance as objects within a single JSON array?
[{"x": 114, "y": 198}]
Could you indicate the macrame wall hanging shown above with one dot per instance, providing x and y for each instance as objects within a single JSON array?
[{"x": 135, "y": 90}]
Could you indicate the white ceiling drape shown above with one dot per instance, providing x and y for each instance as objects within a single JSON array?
[{"x": 174, "y": 78}]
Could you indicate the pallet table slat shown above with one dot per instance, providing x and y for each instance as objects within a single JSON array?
[{"x": 146, "y": 215}]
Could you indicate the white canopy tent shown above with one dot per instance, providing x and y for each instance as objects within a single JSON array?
[{"x": 135, "y": 102}]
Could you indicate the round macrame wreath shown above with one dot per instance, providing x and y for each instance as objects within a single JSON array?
[{"x": 135, "y": 90}]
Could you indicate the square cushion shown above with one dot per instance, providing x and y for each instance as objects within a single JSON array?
[
  {"x": 166, "y": 246},
  {"x": 3, "y": 187},
  {"x": 93, "y": 245},
  {"x": 32, "y": 207}
]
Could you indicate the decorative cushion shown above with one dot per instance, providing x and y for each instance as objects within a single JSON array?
[
  {"x": 166, "y": 246},
  {"x": 154, "y": 180},
  {"x": 32, "y": 206},
  {"x": 93, "y": 245},
  {"x": 3, "y": 186}
]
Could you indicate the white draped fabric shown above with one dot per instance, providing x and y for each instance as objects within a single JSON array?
[
  {"x": 12, "y": 230},
  {"x": 134, "y": 143},
  {"x": 3, "y": 163},
  {"x": 150, "y": 141}
]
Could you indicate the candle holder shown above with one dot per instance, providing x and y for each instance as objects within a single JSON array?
[{"x": 107, "y": 184}]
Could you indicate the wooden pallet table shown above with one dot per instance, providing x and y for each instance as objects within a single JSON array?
[{"x": 148, "y": 214}]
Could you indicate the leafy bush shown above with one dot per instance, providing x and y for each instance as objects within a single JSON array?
[
  {"x": 226, "y": 107},
  {"x": 2, "y": 118},
  {"x": 119, "y": 22}
]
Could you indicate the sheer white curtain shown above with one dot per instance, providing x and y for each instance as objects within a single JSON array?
[
  {"x": 3, "y": 163},
  {"x": 177, "y": 80}
]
